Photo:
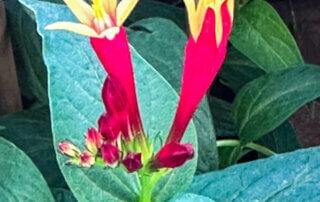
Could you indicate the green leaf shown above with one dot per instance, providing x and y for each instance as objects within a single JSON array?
[
  {"x": 224, "y": 156},
  {"x": 2, "y": 127},
  {"x": 191, "y": 198},
  {"x": 286, "y": 177},
  {"x": 75, "y": 81},
  {"x": 31, "y": 131},
  {"x": 237, "y": 70},
  {"x": 149, "y": 9},
  {"x": 165, "y": 52},
  {"x": 63, "y": 195},
  {"x": 281, "y": 140},
  {"x": 263, "y": 104},
  {"x": 20, "y": 180},
  {"x": 222, "y": 118},
  {"x": 261, "y": 35},
  {"x": 27, "y": 48}
]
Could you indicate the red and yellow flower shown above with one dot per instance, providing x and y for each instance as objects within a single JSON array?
[{"x": 210, "y": 26}]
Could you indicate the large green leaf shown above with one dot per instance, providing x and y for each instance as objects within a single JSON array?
[
  {"x": 149, "y": 9},
  {"x": 27, "y": 48},
  {"x": 261, "y": 35},
  {"x": 237, "y": 70},
  {"x": 20, "y": 180},
  {"x": 165, "y": 52},
  {"x": 31, "y": 132},
  {"x": 222, "y": 118},
  {"x": 75, "y": 81},
  {"x": 63, "y": 195},
  {"x": 281, "y": 140},
  {"x": 263, "y": 104},
  {"x": 287, "y": 177},
  {"x": 191, "y": 198}
]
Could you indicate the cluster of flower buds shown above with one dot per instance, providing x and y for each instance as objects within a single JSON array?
[{"x": 103, "y": 147}]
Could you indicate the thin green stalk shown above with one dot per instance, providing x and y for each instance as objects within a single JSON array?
[
  {"x": 237, "y": 151},
  {"x": 261, "y": 149},
  {"x": 148, "y": 182},
  {"x": 228, "y": 143}
]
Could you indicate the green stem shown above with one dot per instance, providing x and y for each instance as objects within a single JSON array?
[
  {"x": 148, "y": 182},
  {"x": 228, "y": 143},
  {"x": 251, "y": 145},
  {"x": 261, "y": 149}
]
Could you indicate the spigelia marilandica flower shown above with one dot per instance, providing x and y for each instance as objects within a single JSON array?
[
  {"x": 102, "y": 22},
  {"x": 210, "y": 26}
]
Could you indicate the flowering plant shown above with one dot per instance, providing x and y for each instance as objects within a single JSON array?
[
  {"x": 120, "y": 138},
  {"x": 132, "y": 112}
]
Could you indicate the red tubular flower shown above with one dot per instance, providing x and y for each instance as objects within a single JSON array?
[
  {"x": 132, "y": 161},
  {"x": 210, "y": 25},
  {"x": 102, "y": 22},
  {"x": 115, "y": 56}
]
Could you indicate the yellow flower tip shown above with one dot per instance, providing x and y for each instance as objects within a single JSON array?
[
  {"x": 73, "y": 27},
  {"x": 101, "y": 19},
  {"x": 81, "y": 10},
  {"x": 197, "y": 12},
  {"x": 125, "y": 7}
]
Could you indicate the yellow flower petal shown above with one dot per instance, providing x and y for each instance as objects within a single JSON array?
[
  {"x": 124, "y": 8},
  {"x": 191, "y": 9},
  {"x": 110, "y": 6},
  {"x": 110, "y": 33},
  {"x": 81, "y": 10},
  {"x": 73, "y": 27},
  {"x": 230, "y": 5}
]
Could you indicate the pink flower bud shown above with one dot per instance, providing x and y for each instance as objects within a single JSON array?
[
  {"x": 87, "y": 159},
  {"x": 109, "y": 127},
  {"x": 69, "y": 149},
  {"x": 110, "y": 154},
  {"x": 117, "y": 106},
  {"x": 173, "y": 155},
  {"x": 132, "y": 161},
  {"x": 93, "y": 140}
]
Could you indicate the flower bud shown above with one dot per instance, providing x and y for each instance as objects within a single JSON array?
[
  {"x": 132, "y": 161},
  {"x": 93, "y": 140},
  {"x": 69, "y": 149},
  {"x": 87, "y": 159},
  {"x": 109, "y": 127},
  {"x": 110, "y": 154},
  {"x": 114, "y": 97},
  {"x": 172, "y": 155}
]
